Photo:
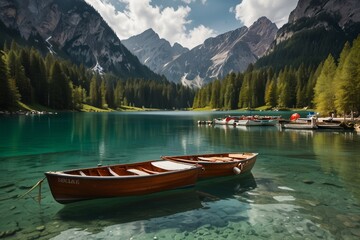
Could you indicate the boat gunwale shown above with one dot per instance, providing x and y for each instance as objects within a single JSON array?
[
  {"x": 111, "y": 177},
  {"x": 179, "y": 158}
]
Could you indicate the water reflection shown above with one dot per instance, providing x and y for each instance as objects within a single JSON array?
[{"x": 338, "y": 158}]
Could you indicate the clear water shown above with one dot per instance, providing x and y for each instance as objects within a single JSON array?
[{"x": 305, "y": 184}]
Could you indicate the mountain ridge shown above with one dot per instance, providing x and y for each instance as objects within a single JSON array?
[
  {"x": 228, "y": 52},
  {"x": 75, "y": 30}
]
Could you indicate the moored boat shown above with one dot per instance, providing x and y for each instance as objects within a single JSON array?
[
  {"x": 219, "y": 164},
  {"x": 333, "y": 126},
  {"x": 297, "y": 123},
  {"x": 256, "y": 122},
  {"x": 251, "y": 120},
  {"x": 302, "y": 126},
  {"x": 229, "y": 120},
  {"x": 121, "y": 180}
]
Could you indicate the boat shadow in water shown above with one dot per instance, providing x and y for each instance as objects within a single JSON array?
[{"x": 129, "y": 209}]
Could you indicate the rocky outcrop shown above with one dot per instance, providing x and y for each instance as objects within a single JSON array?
[
  {"x": 346, "y": 11},
  {"x": 153, "y": 51},
  {"x": 75, "y": 31}
]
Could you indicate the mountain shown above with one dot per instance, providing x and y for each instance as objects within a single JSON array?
[
  {"x": 315, "y": 29},
  {"x": 71, "y": 29},
  {"x": 216, "y": 57},
  {"x": 153, "y": 51}
]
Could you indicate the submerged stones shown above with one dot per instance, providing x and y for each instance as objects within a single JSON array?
[
  {"x": 40, "y": 228},
  {"x": 307, "y": 181}
]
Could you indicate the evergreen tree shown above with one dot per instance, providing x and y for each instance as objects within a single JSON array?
[
  {"x": 215, "y": 94},
  {"x": 103, "y": 94},
  {"x": 8, "y": 94},
  {"x": 11, "y": 93},
  {"x": 244, "y": 94},
  {"x": 119, "y": 94},
  {"x": 270, "y": 93},
  {"x": 348, "y": 88},
  {"x": 324, "y": 88},
  {"x": 286, "y": 88},
  {"x": 229, "y": 98},
  {"x": 59, "y": 88},
  {"x": 78, "y": 96},
  {"x": 38, "y": 78},
  {"x": 301, "y": 80},
  {"x": 93, "y": 94}
]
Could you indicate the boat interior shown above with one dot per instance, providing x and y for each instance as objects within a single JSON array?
[
  {"x": 142, "y": 169},
  {"x": 215, "y": 158}
]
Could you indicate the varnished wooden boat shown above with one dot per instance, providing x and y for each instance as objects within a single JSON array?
[
  {"x": 121, "y": 180},
  {"x": 219, "y": 164}
]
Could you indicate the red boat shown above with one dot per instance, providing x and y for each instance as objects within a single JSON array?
[
  {"x": 219, "y": 164},
  {"x": 121, "y": 180}
]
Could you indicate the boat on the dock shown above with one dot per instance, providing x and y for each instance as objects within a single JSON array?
[
  {"x": 219, "y": 164},
  {"x": 228, "y": 120},
  {"x": 333, "y": 126},
  {"x": 251, "y": 120},
  {"x": 296, "y": 122},
  {"x": 256, "y": 122},
  {"x": 121, "y": 180},
  {"x": 301, "y": 126}
]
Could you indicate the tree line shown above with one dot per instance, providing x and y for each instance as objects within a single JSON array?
[
  {"x": 29, "y": 77},
  {"x": 332, "y": 86}
]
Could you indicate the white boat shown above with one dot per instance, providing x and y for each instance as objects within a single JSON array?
[
  {"x": 229, "y": 120},
  {"x": 256, "y": 122},
  {"x": 297, "y": 125},
  {"x": 248, "y": 120}
]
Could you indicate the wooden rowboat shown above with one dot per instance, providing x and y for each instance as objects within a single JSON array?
[
  {"x": 220, "y": 164},
  {"x": 121, "y": 180}
]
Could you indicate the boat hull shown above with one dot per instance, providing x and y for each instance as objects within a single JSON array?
[
  {"x": 67, "y": 188},
  {"x": 302, "y": 126},
  {"x": 219, "y": 169},
  {"x": 249, "y": 122}
]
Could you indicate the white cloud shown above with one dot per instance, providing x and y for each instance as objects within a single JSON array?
[
  {"x": 190, "y": 1},
  {"x": 248, "y": 11},
  {"x": 138, "y": 16}
]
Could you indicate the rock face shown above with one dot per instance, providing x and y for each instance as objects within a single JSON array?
[
  {"x": 345, "y": 10},
  {"x": 229, "y": 52},
  {"x": 71, "y": 29},
  {"x": 153, "y": 51},
  {"x": 310, "y": 14}
]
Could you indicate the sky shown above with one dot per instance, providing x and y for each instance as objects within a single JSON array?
[{"x": 188, "y": 22}]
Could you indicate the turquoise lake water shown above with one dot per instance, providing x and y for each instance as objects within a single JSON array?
[{"x": 304, "y": 185}]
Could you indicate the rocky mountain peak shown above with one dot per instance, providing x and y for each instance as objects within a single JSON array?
[
  {"x": 153, "y": 51},
  {"x": 260, "y": 35}
]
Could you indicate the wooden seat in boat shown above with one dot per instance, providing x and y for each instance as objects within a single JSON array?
[
  {"x": 112, "y": 172},
  {"x": 237, "y": 155},
  {"x": 171, "y": 166},
  {"x": 137, "y": 171}
]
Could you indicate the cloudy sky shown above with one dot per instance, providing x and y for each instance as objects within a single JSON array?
[{"x": 188, "y": 22}]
